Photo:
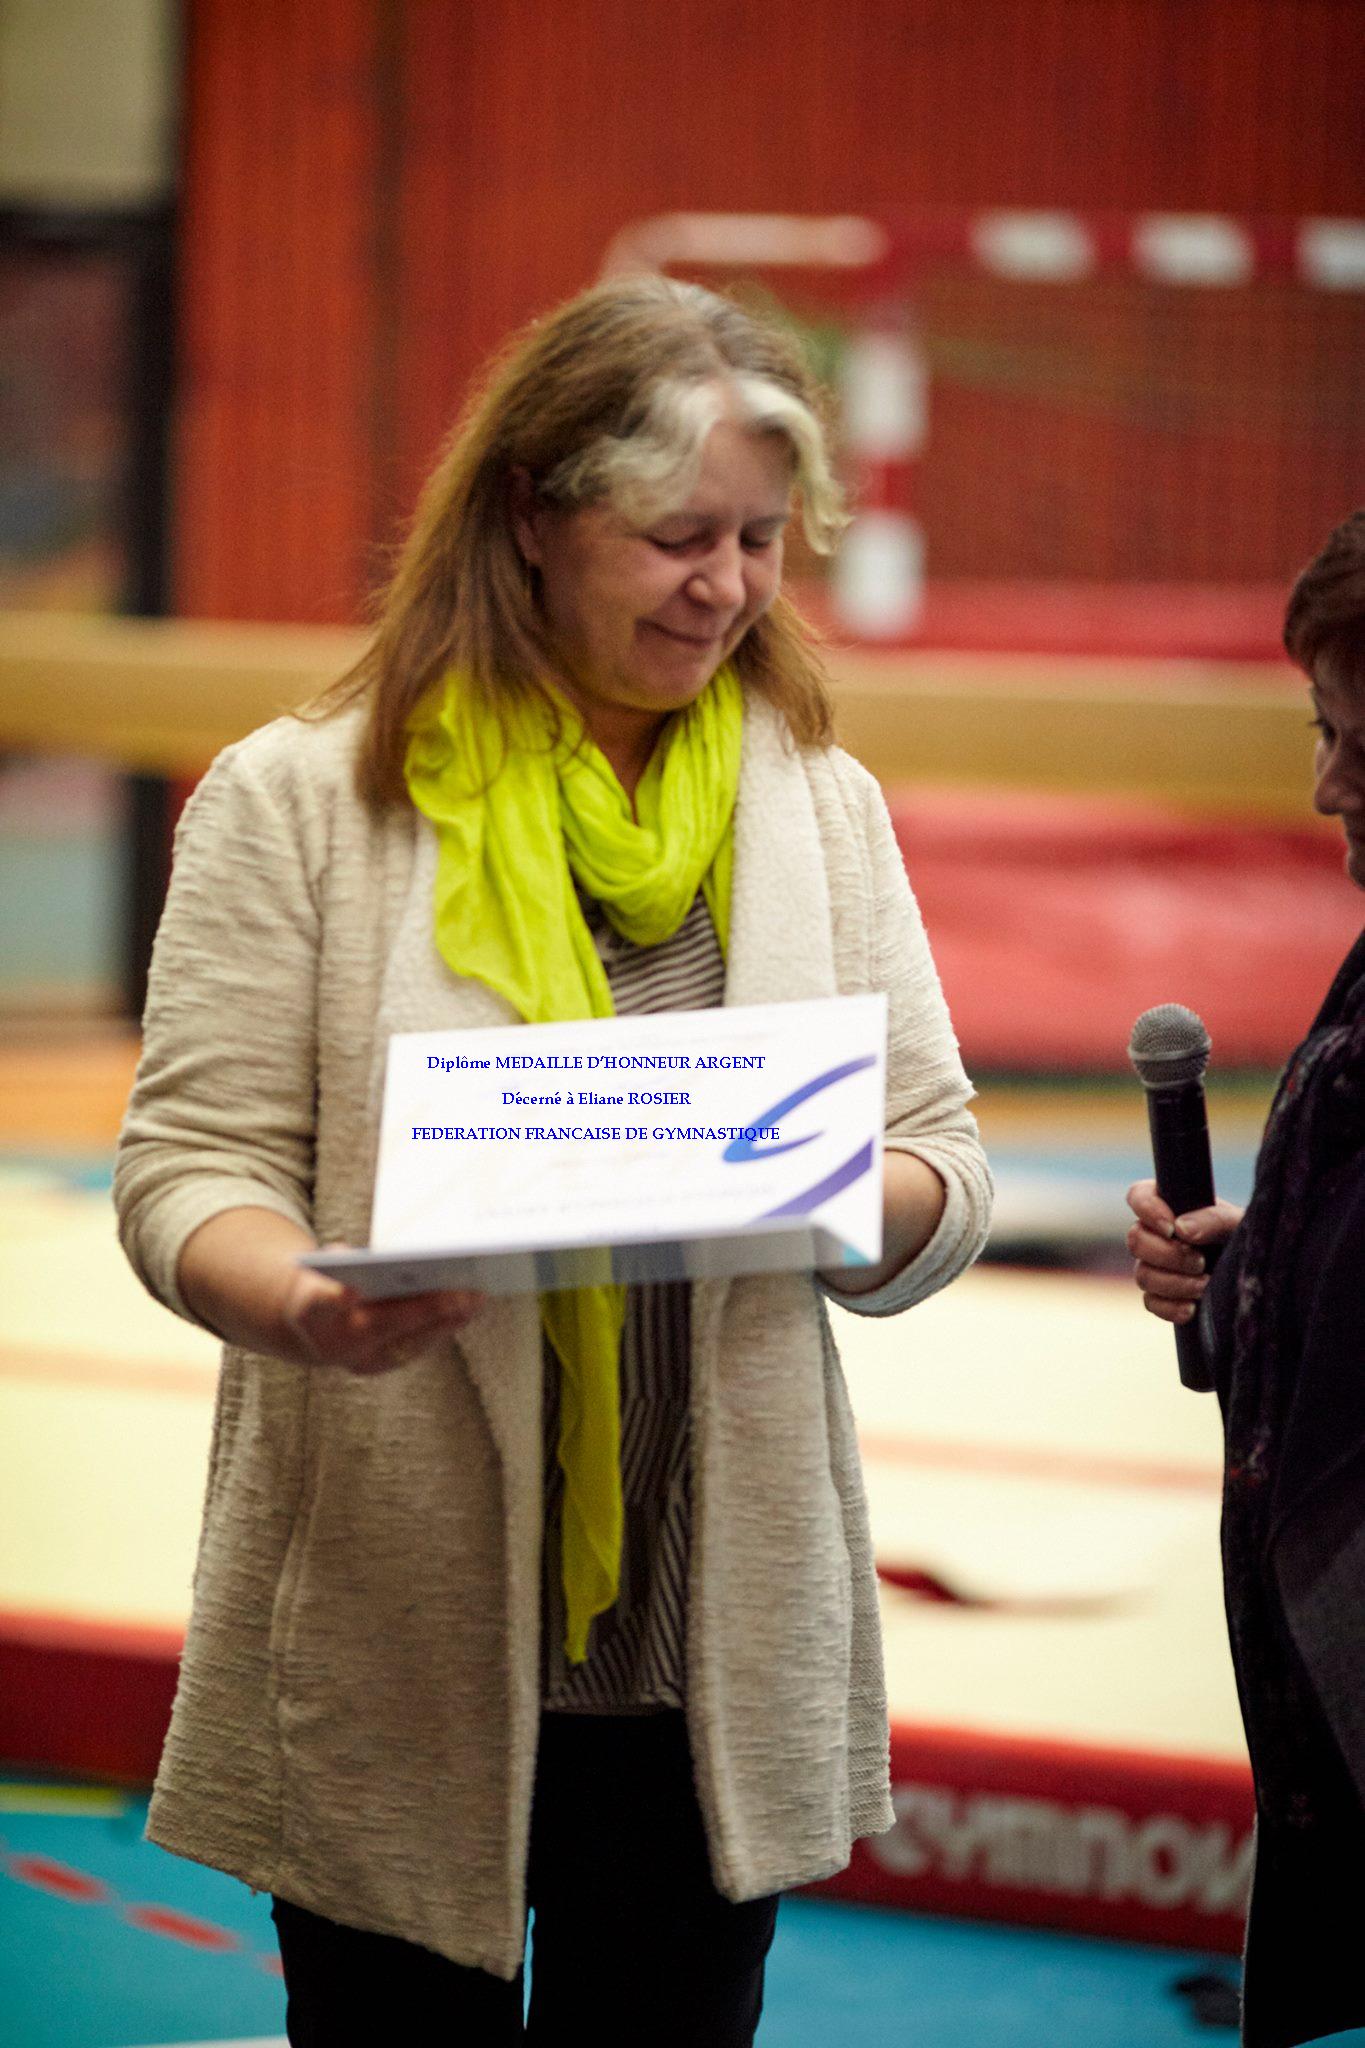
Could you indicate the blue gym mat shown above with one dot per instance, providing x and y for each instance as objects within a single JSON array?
[{"x": 108, "y": 1942}]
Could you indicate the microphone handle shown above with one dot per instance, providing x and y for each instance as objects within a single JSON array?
[{"x": 1179, "y": 1124}]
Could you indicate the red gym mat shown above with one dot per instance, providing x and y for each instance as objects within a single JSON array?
[{"x": 1056, "y": 921}]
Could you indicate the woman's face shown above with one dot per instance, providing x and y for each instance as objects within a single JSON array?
[
  {"x": 644, "y": 616},
  {"x": 1339, "y": 762}
]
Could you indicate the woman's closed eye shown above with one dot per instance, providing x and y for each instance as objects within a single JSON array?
[{"x": 755, "y": 541}]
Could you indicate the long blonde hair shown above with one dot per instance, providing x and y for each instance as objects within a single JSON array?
[{"x": 567, "y": 401}]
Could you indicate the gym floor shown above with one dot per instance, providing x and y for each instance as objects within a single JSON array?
[{"x": 1035, "y": 1398}]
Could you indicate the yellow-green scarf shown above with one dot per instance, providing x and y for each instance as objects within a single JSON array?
[{"x": 506, "y": 913}]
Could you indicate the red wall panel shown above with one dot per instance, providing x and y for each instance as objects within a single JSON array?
[
  {"x": 378, "y": 190},
  {"x": 274, "y": 508}
]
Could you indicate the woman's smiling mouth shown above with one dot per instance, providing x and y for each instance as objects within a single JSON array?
[{"x": 685, "y": 639}]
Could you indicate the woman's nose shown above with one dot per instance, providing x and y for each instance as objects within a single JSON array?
[
  {"x": 719, "y": 579},
  {"x": 1328, "y": 782}
]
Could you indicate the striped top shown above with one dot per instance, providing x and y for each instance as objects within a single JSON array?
[{"x": 636, "y": 1658}]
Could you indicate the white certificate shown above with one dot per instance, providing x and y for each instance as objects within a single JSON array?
[{"x": 686, "y": 1144}]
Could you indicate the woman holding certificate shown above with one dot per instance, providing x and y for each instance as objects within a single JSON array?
[{"x": 565, "y": 1602}]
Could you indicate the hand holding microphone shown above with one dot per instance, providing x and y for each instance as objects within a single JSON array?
[{"x": 1181, "y": 1226}]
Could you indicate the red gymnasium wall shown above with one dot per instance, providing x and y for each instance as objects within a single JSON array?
[{"x": 376, "y": 191}]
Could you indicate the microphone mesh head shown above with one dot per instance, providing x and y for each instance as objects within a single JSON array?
[{"x": 1169, "y": 1045}]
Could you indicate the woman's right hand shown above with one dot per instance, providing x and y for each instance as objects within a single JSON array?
[
  {"x": 239, "y": 1274},
  {"x": 324, "y": 1322},
  {"x": 1169, "y": 1264}
]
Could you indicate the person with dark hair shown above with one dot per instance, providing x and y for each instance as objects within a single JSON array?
[
  {"x": 1282, "y": 1319},
  {"x": 563, "y": 1603}
]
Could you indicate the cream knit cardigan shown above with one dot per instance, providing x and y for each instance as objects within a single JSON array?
[{"x": 356, "y": 1721}]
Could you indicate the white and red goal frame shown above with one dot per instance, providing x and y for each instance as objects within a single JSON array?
[{"x": 878, "y": 260}]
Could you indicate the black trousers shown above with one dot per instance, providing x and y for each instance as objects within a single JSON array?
[{"x": 631, "y": 1944}]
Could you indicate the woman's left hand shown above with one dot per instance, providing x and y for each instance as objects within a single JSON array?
[
  {"x": 912, "y": 1203},
  {"x": 1169, "y": 1266}
]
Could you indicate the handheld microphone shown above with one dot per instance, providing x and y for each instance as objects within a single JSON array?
[{"x": 1169, "y": 1050}]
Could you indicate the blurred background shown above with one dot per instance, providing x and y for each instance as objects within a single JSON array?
[{"x": 1086, "y": 280}]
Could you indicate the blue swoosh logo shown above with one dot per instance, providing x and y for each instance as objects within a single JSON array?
[
  {"x": 851, "y": 1170},
  {"x": 741, "y": 1150}
]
